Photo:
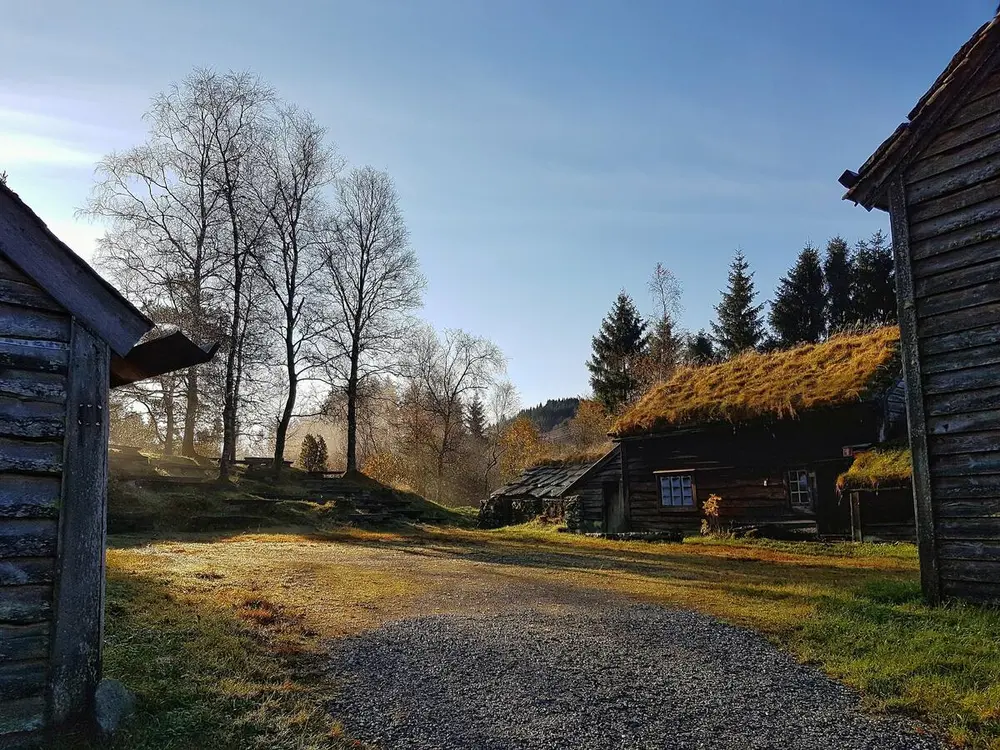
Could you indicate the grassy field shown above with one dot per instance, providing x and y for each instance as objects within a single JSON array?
[{"x": 223, "y": 638}]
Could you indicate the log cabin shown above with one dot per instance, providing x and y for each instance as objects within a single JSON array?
[
  {"x": 764, "y": 435},
  {"x": 558, "y": 489},
  {"x": 938, "y": 176},
  {"x": 878, "y": 487},
  {"x": 66, "y": 336}
]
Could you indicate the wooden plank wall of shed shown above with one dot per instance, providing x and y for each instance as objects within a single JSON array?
[
  {"x": 34, "y": 351},
  {"x": 953, "y": 198},
  {"x": 734, "y": 462},
  {"x": 591, "y": 492}
]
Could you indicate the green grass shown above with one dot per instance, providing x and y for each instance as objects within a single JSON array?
[{"x": 221, "y": 639}]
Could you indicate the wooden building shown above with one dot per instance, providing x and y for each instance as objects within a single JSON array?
[
  {"x": 765, "y": 434},
  {"x": 65, "y": 335},
  {"x": 878, "y": 487},
  {"x": 938, "y": 175}
]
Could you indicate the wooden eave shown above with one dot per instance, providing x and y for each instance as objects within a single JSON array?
[
  {"x": 869, "y": 185},
  {"x": 598, "y": 464},
  {"x": 50, "y": 263}
]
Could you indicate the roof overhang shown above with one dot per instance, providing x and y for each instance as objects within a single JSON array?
[
  {"x": 165, "y": 354},
  {"x": 66, "y": 277},
  {"x": 869, "y": 185}
]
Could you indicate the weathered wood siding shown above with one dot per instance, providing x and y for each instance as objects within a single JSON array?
[
  {"x": 746, "y": 466},
  {"x": 951, "y": 230},
  {"x": 34, "y": 358},
  {"x": 590, "y": 491}
]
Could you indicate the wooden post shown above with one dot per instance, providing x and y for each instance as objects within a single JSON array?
[
  {"x": 857, "y": 532},
  {"x": 79, "y": 597},
  {"x": 930, "y": 576}
]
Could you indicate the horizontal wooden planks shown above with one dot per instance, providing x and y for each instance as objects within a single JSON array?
[
  {"x": 954, "y": 180},
  {"x": 31, "y": 354},
  {"x": 20, "y": 571},
  {"x": 22, "y": 679},
  {"x": 26, "y": 496},
  {"x": 24, "y": 641},
  {"x": 31, "y": 419},
  {"x": 28, "y": 323},
  {"x": 26, "y": 715},
  {"x": 20, "y": 537},
  {"x": 45, "y": 457},
  {"x": 26, "y": 295},
  {"x": 25, "y": 604},
  {"x": 37, "y": 386}
]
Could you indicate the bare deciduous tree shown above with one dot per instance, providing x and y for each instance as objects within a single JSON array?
[
  {"x": 297, "y": 166},
  {"x": 376, "y": 284},
  {"x": 447, "y": 370},
  {"x": 502, "y": 406},
  {"x": 164, "y": 213}
]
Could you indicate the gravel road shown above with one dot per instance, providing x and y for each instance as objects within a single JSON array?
[{"x": 624, "y": 676}]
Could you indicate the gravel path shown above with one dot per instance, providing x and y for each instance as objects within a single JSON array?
[{"x": 622, "y": 677}]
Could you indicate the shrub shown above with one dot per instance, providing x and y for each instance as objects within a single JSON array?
[
  {"x": 313, "y": 454},
  {"x": 710, "y": 524}
]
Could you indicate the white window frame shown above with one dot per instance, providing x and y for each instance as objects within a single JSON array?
[
  {"x": 796, "y": 491},
  {"x": 677, "y": 482}
]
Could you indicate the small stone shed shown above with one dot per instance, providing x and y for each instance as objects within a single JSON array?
[
  {"x": 65, "y": 336},
  {"x": 938, "y": 176}
]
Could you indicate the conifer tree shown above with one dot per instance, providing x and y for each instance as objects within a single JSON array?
[
  {"x": 617, "y": 348},
  {"x": 699, "y": 349},
  {"x": 322, "y": 454},
  {"x": 797, "y": 313},
  {"x": 739, "y": 326},
  {"x": 838, "y": 278},
  {"x": 476, "y": 418},
  {"x": 874, "y": 288}
]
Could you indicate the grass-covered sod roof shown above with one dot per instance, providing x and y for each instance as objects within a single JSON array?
[
  {"x": 877, "y": 469},
  {"x": 841, "y": 370}
]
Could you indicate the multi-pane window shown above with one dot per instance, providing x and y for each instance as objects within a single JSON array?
[
  {"x": 801, "y": 488},
  {"x": 676, "y": 491}
]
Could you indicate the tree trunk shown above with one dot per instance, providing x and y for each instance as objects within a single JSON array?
[
  {"x": 352, "y": 412},
  {"x": 168, "y": 410},
  {"x": 190, "y": 413},
  {"x": 281, "y": 433}
]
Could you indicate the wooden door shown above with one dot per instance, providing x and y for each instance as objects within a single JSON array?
[{"x": 614, "y": 508}]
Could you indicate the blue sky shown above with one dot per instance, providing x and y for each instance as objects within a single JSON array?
[{"x": 547, "y": 153}]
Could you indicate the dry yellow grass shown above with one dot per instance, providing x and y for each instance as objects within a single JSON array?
[
  {"x": 891, "y": 467},
  {"x": 780, "y": 384},
  {"x": 225, "y": 639}
]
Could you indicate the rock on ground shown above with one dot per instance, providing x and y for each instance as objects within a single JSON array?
[{"x": 628, "y": 677}]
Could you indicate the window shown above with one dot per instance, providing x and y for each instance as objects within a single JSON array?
[
  {"x": 676, "y": 491},
  {"x": 801, "y": 488}
]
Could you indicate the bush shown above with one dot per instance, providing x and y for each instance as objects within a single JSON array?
[
  {"x": 710, "y": 525},
  {"x": 313, "y": 454}
]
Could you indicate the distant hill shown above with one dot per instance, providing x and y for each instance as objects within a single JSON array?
[{"x": 552, "y": 413}]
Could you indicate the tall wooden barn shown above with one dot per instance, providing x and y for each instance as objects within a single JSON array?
[
  {"x": 65, "y": 336},
  {"x": 938, "y": 176},
  {"x": 766, "y": 435}
]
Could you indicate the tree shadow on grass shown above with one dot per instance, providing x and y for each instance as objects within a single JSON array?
[{"x": 211, "y": 675}]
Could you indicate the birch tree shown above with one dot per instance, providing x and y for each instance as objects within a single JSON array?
[{"x": 376, "y": 284}]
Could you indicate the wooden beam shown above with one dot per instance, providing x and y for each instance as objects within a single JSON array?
[
  {"x": 930, "y": 576},
  {"x": 79, "y": 598},
  {"x": 26, "y": 241}
]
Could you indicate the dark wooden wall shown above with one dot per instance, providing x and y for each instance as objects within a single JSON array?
[
  {"x": 590, "y": 491},
  {"x": 34, "y": 358},
  {"x": 946, "y": 230},
  {"x": 746, "y": 466}
]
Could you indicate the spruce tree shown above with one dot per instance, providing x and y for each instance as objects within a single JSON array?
[
  {"x": 475, "y": 417},
  {"x": 874, "y": 289},
  {"x": 797, "y": 312},
  {"x": 838, "y": 276},
  {"x": 617, "y": 348},
  {"x": 739, "y": 326},
  {"x": 699, "y": 349}
]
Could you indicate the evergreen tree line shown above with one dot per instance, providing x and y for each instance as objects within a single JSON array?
[{"x": 821, "y": 295}]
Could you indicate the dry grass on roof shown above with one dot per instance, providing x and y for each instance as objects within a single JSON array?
[
  {"x": 781, "y": 384},
  {"x": 568, "y": 457},
  {"x": 872, "y": 470}
]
